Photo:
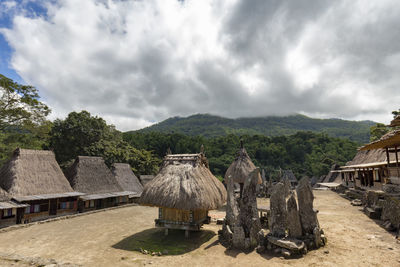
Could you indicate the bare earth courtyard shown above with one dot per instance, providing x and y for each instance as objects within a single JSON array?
[{"x": 111, "y": 238}]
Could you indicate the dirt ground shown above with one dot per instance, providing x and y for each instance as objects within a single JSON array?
[{"x": 111, "y": 238}]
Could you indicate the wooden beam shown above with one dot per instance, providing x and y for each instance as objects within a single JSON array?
[
  {"x": 397, "y": 162},
  {"x": 387, "y": 156}
]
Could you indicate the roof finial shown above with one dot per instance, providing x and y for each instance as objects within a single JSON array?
[
  {"x": 241, "y": 143},
  {"x": 169, "y": 152},
  {"x": 202, "y": 149}
]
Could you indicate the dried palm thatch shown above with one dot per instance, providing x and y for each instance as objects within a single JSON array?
[
  {"x": 395, "y": 122},
  {"x": 126, "y": 178},
  {"x": 144, "y": 179},
  {"x": 91, "y": 175},
  {"x": 391, "y": 139},
  {"x": 240, "y": 169},
  {"x": 368, "y": 156},
  {"x": 33, "y": 172},
  {"x": 184, "y": 182},
  {"x": 4, "y": 196}
]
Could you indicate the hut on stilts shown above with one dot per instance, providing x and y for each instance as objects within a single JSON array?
[
  {"x": 91, "y": 176},
  {"x": 184, "y": 190},
  {"x": 127, "y": 180},
  {"x": 33, "y": 177}
]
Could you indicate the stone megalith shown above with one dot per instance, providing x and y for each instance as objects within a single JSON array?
[
  {"x": 278, "y": 218},
  {"x": 308, "y": 216},
  {"x": 248, "y": 215},
  {"x": 232, "y": 210},
  {"x": 293, "y": 219}
]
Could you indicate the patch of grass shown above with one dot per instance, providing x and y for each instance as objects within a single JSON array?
[{"x": 154, "y": 240}]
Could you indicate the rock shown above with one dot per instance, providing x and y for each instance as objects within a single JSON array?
[
  {"x": 248, "y": 213},
  {"x": 285, "y": 253},
  {"x": 291, "y": 244},
  {"x": 238, "y": 237},
  {"x": 326, "y": 251},
  {"x": 317, "y": 237},
  {"x": 260, "y": 249},
  {"x": 153, "y": 253},
  {"x": 293, "y": 217},
  {"x": 356, "y": 202},
  {"x": 145, "y": 252},
  {"x": 232, "y": 209},
  {"x": 278, "y": 222},
  {"x": 165, "y": 252},
  {"x": 159, "y": 253},
  {"x": 308, "y": 216}
]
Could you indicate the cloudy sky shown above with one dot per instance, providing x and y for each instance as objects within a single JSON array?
[{"x": 139, "y": 62}]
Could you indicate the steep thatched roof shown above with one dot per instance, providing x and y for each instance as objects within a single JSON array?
[
  {"x": 368, "y": 156},
  {"x": 91, "y": 175},
  {"x": 4, "y": 195},
  {"x": 144, "y": 179},
  {"x": 395, "y": 122},
  {"x": 240, "y": 169},
  {"x": 126, "y": 178},
  {"x": 390, "y": 139},
  {"x": 184, "y": 182},
  {"x": 33, "y": 172}
]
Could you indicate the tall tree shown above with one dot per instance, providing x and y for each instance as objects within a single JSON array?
[{"x": 20, "y": 105}]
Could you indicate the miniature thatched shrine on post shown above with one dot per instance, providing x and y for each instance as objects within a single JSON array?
[{"x": 184, "y": 190}]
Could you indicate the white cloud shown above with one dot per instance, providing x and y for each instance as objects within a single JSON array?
[{"x": 138, "y": 62}]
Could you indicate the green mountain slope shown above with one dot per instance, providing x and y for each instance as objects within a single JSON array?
[{"x": 213, "y": 126}]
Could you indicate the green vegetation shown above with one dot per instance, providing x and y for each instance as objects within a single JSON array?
[
  {"x": 214, "y": 126},
  {"x": 81, "y": 134},
  {"x": 306, "y": 153}
]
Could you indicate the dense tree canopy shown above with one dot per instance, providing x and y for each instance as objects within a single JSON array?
[
  {"x": 20, "y": 105},
  {"x": 306, "y": 153},
  {"x": 81, "y": 134}
]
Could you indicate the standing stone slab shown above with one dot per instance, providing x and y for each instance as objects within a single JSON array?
[
  {"x": 232, "y": 210},
  {"x": 308, "y": 217},
  {"x": 249, "y": 219},
  {"x": 278, "y": 221},
  {"x": 293, "y": 219}
]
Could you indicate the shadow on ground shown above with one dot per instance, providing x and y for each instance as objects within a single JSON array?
[{"x": 175, "y": 243}]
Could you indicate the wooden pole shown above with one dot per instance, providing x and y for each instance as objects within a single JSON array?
[
  {"x": 387, "y": 156},
  {"x": 397, "y": 161}
]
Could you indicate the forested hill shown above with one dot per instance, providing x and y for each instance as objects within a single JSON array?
[{"x": 213, "y": 126}]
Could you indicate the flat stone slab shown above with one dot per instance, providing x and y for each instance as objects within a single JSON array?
[{"x": 288, "y": 243}]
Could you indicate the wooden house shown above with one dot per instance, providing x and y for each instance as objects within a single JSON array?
[
  {"x": 11, "y": 212},
  {"x": 33, "y": 177},
  {"x": 390, "y": 144},
  {"x": 91, "y": 176},
  {"x": 240, "y": 168},
  {"x": 127, "y": 180},
  {"x": 184, "y": 190}
]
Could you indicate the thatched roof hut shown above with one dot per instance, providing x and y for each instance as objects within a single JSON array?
[
  {"x": 184, "y": 182},
  {"x": 144, "y": 179},
  {"x": 241, "y": 167},
  {"x": 33, "y": 172},
  {"x": 395, "y": 122},
  {"x": 92, "y": 176},
  {"x": 126, "y": 178}
]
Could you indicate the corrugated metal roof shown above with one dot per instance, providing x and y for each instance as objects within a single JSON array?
[
  {"x": 11, "y": 204},
  {"x": 47, "y": 196}
]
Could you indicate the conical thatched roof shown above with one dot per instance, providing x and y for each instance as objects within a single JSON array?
[
  {"x": 91, "y": 175},
  {"x": 289, "y": 175},
  {"x": 395, "y": 122},
  {"x": 240, "y": 169},
  {"x": 33, "y": 172},
  {"x": 126, "y": 178},
  {"x": 184, "y": 182}
]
